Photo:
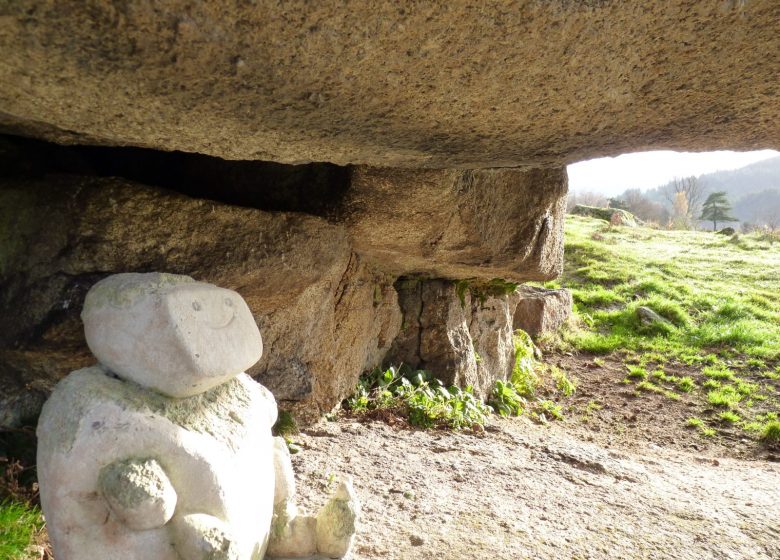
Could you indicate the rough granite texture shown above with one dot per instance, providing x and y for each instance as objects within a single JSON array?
[
  {"x": 433, "y": 84},
  {"x": 462, "y": 338},
  {"x": 488, "y": 223},
  {"x": 324, "y": 315}
]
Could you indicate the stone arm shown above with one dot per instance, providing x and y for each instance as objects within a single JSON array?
[{"x": 138, "y": 492}]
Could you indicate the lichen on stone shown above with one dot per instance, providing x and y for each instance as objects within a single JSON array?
[
  {"x": 133, "y": 482},
  {"x": 216, "y": 412}
]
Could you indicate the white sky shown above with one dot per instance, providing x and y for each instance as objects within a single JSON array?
[{"x": 646, "y": 170}]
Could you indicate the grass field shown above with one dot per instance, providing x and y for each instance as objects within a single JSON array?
[{"x": 718, "y": 299}]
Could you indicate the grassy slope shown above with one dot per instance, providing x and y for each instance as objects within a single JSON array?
[{"x": 719, "y": 295}]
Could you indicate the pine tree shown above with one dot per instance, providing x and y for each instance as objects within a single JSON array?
[{"x": 717, "y": 209}]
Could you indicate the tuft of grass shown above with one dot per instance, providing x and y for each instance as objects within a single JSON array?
[
  {"x": 685, "y": 384},
  {"x": 771, "y": 432},
  {"x": 694, "y": 422},
  {"x": 19, "y": 523},
  {"x": 636, "y": 372},
  {"x": 716, "y": 372},
  {"x": 729, "y": 417},
  {"x": 285, "y": 425},
  {"x": 726, "y": 396}
]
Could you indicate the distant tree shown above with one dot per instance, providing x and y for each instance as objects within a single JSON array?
[
  {"x": 691, "y": 187},
  {"x": 717, "y": 209},
  {"x": 644, "y": 208},
  {"x": 681, "y": 216},
  {"x": 587, "y": 198}
]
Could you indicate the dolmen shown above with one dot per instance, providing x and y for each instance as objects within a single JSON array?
[{"x": 163, "y": 450}]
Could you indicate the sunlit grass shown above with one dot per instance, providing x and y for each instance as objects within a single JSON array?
[
  {"x": 712, "y": 293},
  {"x": 718, "y": 299}
]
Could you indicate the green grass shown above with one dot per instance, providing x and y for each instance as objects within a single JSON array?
[
  {"x": 426, "y": 402},
  {"x": 726, "y": 396},
  {"x": 771, "y": 432},
  {"x": 18, "y": 525},
  {"x": 719, "y": 303},
  {"x": 694, "y": 280}
]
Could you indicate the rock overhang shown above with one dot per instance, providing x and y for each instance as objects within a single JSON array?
[{"x": 435, "y": 85}]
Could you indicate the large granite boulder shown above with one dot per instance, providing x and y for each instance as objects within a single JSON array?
[
  {"x": 457, "y": 224},
  {"x": 324, "y": 314},
  {"x": 436, "y": 84}
]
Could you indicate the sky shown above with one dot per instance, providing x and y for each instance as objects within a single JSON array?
[{"x": 647, "y": 170}]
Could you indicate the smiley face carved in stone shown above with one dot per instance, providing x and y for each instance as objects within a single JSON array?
[{"x": 190, "y": 334}]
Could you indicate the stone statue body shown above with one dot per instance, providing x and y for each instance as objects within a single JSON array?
[{"x": 164, "y": 450}]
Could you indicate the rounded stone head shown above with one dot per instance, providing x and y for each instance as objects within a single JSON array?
[{"x": 170, "y": 333}]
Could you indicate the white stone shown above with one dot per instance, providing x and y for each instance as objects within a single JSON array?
[
  {"x": 336, "y": 522},
  {"x": 170, "y": 333},
  {"x": 216, "y": 449},
  {"x": 130, "y": 471}
]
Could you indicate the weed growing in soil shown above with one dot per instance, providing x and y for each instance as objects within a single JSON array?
[
  {"x": 771, "y": 432},
  {"x": 532, "y": 386},
  {"x": 418, "y": 396}
]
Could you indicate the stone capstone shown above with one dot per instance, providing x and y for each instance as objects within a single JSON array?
[
  {"x": 540, "y": 310},
  {"x": 462, "y": 337},
  {"x": 438, "y": 84}
]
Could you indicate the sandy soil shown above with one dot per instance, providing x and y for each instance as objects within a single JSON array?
[{"x": 522, "y": 490}]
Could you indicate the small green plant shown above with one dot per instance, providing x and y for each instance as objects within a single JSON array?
[
  {"x": 18, "y": 525},
  {"x": 729, "y": 416},
  {"x": 715, "y": 372},
  {"x": 726, "y": 396},
  {"x": 708, "y": 432},
  {"x": 636, "y": 372},
  {"x": 771, "y": 432},
  {"x": 649, "y": 387},
  {"x": 524, "y": 377},
  {"x": 694, "y": 422},
  {"x": 506, "y": 401},
  {"x": 565, "y": 386},
  {"x": 685, "y": 384},
  {"x": 285, "y": 424},
  {"x": 549, "y": 408}
]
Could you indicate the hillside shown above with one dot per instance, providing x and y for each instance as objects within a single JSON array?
[{"x": 753, "y": 190}]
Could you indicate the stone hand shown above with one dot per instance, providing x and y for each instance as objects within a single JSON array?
[{"x": 138, "y": 492}]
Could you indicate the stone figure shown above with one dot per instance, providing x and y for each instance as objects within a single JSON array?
[{"x": 163, "y": 451}]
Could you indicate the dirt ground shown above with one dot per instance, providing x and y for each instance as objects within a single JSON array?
[
  {"x": 623, "y": 417},
  {"x": 521, "y": 490},
  {"x": 625, "y": 481}
]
